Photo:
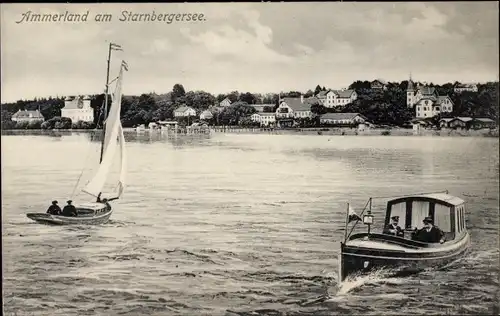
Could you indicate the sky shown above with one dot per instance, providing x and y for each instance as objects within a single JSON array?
[{"x": 255, "y": 47}]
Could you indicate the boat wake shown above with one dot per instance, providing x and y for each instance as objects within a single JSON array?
[
  {"x": 472, "y": 259},
  {"x": 353, "y": 282},
  {"x": 375, "y": 278}
]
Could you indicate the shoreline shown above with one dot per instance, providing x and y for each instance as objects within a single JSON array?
[{"x": 318, "y": 131}]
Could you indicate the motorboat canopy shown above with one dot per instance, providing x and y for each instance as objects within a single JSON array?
[{"x": 447, "y": 212}]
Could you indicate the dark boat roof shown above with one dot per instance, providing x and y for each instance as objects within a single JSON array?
[{"x": 447, "y": 198}]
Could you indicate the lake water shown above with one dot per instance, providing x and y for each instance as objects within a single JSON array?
[{"x": 238, "y": 225}]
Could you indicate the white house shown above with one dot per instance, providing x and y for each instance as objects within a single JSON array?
[
  {"x": 27, "y": 116},
  {"x": 432, "y": 106},
  {"x": 342, "y": 118},
  {"x": 265, "y": 119},
  {"x": 77, "y": 108},
  {"x": 225, "y": 103},
  {"x": 206, "y": 115},
  {"x": 339, "y": 98},
  {"x": 294, "y": 108},
  {"x": 427, "y": 101},
  {"x": 184, "y": 111},
  {"x": 459, "y": 88}
]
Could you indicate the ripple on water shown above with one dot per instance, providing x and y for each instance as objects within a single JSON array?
[{"x": 206, "y": 228}]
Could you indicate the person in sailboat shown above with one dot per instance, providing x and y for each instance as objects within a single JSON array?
[
  {"x": 393, "y": 228},
  {"x": 54, "y": 209},
  {"x": 69, "y": 209},
  {"x": 429, "y": 233},
  {"x": 105, "y": 201}
]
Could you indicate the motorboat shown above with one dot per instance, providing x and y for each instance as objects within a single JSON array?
[{"x": 365, "y": 252}]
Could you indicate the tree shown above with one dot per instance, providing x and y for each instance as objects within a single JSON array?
[
  {"x": 318, "y": 109},
  {"x": 234, "y": 113},
  {"x": 34, "y": 124},
  {"x": 317, "y": 90},
  {"x": 220, "y": 97},
  {"x": 63, "y": 123},
  {"x": 233, "y": 96},
  {"x": 356, "y": 85},
  {"x": 200, "y": 100},
  {"x": 97, "y": 103},
  {"x": 246, "y": 122},
  {"x": 177, "y": 91},
  {"x": 22, "y": 124},
  {"x": 292, "y": 94},
  {"x": 248, "y": 98}
]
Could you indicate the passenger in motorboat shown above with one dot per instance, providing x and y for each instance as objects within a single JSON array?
[
  {"x": 54, "y": 209},
  {"x": 429, "y": 233},
  {"x": 393, "y": 228},
  {"x": 69, "y": 209}
]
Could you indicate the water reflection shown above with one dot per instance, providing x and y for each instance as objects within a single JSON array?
[
  {"x": 147, "y": 137},
  {"x": 177, "y": 140}
]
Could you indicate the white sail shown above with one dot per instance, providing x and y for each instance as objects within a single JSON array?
[
  {"x": 123, "y": 164},
  {"x": 113, "y": 136}
]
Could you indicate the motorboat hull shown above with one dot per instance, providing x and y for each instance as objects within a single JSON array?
[
  {"x": 401, "y": 257},
  {"x": 94, "y": 214}
]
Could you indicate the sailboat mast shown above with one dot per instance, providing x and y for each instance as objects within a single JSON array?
[{"x": 105, "y": 104}]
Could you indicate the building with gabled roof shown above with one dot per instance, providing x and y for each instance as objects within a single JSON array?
[
  {"x": 265, "y": 119},
  {"x": 336, "y": 98},
  {"x": 206, "y": 115},
  {"x": 184, "y": 111},
  {"x": 291, "y": 109},
  {"x": 342, "y": 118},
  {"x": 225, "y": 103},
  {"x": 78, "y": 108},
  {"x": 322, "y": 96},
  {"x": 461, "y": 87},
  {"x": 27, "y": 116},
  {"x": 426, "y": 100},
  {"x": 378, "y": 84}
]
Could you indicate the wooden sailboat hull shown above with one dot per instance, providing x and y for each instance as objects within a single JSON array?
[
  {"x": 398, "y": 256},
  {"x": 85, "y": 216}
]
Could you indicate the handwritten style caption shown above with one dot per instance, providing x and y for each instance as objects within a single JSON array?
[{"x": 124, "y": 16}]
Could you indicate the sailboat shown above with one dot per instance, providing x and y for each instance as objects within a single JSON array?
[{"x": 112, "y": 145}]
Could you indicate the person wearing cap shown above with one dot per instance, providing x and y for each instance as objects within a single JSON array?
[
  {"x": 393, "y": 228},
  {"x": 105, "y": 201},
  {"x": 69, "y": 210},
  {"x": 429, "y": 233},
  {"x": 54, "y": 209},
  {"x": 108, "y": 206}
]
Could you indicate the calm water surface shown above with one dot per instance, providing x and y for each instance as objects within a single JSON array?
[{"x": 238, "y": 225}]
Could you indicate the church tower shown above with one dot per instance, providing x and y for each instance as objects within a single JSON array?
[{"x": 410, "y": 94}]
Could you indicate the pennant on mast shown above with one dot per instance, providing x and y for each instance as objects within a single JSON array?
[
  {"x": 125, "y": 65},
  {"x": 352, "y": 215},
  {"x": 116, "y": 47}
]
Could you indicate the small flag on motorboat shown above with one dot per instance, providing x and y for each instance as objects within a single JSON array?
[
  {"x": 116, "y": 47},
  {"x": 352, "y": 215},
  {"x": 124, "y": 65}
]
